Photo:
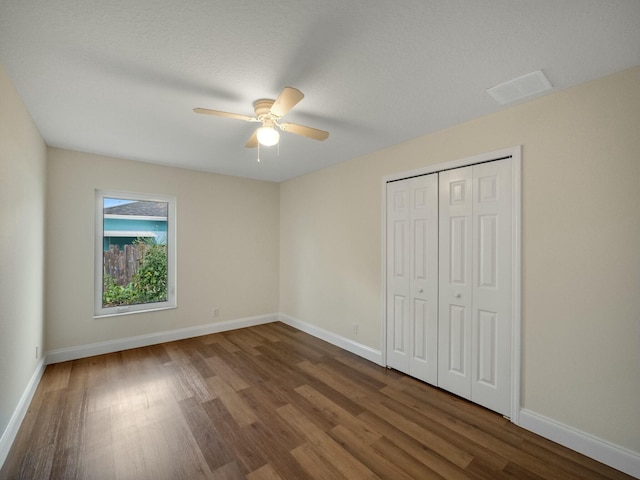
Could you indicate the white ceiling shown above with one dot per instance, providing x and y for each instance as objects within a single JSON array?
[{"x": 121, "y": 78}]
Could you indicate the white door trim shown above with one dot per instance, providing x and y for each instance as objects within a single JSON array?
[{"x": 516, "y": 346}]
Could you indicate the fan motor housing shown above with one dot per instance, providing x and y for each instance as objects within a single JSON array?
[{"x": 262, "y": 107}]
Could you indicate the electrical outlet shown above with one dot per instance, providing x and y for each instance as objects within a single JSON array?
[
  {"x": 37, "y": 351},
  {"x": 215, "y": 312},
  {"x": 355, "y": 328}
]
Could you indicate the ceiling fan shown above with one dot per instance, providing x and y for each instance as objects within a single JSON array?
[{"x": 269, "y": 113}]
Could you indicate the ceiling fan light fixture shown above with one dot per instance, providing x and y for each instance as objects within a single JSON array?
[
  {"x": 269, "y": 113},
  {"x": 268, "y": 136}
]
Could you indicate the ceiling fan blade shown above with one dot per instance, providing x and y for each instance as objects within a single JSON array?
[
  {"x": 305, "y": 131},
  {"x": 218, "y": 113},
  {"x": 253, "y": 140},
  {"x": 286, "y": 101}
]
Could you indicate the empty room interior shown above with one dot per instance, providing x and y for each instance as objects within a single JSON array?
[{"x": 400, "y": 239}]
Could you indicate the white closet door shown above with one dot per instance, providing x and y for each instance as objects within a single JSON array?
[
  {"x": 475, "y": 284},
  {"x": 412, "y": 276},
  {"x": 492, "y": 293},
  {"x": 449, "y": 280},
  {"x": 456, "y": 286},
  {"x": 398, "y": 275},
  {"x": 423, "y": 362}
]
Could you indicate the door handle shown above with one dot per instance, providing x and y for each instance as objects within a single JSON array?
[
  {"x": 420, "y": 291},
  {"x": 457, "y": 295}
]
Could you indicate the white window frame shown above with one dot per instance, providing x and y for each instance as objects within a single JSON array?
[{"x": 99, "y": 310}]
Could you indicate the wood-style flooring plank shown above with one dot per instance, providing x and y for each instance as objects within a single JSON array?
[
  {"x": 434, "y": 442},
  {"x": 229, "y": 471},
  {"x": 404, "y": 458},
  {"x": 415, "y": 448},
  {"x": 233, "y": 402},
  {"x": 228, "y": 374},
  {"x": 285, "y": 436},
  {"x": 246, "y": 456},
  {"x": 266, "y": 472},
  {"x": 339, "y": 416},
  {"x": 315, "y": 466},
  {"x": 362, "y": 450},
  {"x": 267, "y": 403},
  {"x": 327, "y": 448},
  {"x": 209, "y": 440},
  {"x": 435, "y": 420}
]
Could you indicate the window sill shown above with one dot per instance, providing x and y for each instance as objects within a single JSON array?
[{"x": 126, "y": 311}]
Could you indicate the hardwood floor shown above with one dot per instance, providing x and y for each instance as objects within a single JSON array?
[{"x": 267, "y": 402}]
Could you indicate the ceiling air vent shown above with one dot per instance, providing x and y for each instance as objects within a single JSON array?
[{"x": 521, "y": 87}]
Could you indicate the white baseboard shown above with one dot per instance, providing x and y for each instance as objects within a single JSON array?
[
  {"x": 100, "y": 348},
  {"x": 347, "y": 344},
  {"x": 9, "y": 434},
  {"x": 605, "y": 452}
]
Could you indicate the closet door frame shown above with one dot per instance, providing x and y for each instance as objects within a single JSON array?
[{"x": 515, "y": 153}]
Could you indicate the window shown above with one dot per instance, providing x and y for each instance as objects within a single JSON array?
[{"x": 135, "y": 261}]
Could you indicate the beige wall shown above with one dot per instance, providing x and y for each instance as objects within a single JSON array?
[
  {"x": 580, "y": 247},
  {"x": 227, "y": 247},
  {"x": 22, "y": 194}
]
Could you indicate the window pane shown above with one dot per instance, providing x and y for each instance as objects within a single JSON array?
[{"x": 135, "y": 250}]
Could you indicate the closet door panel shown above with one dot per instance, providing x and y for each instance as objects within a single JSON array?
[
  {"x": 492, "y": 293},
  {"x": 420, "y": 330},
  {"x": 398, "y": 275},
  {"x": 457, "y": 339},
  {"x": 487, "y": 355},
  {"x": 458, "y": 241},
  {"x": 455, "y": 281},
  {"x": 424, "y": 278}
]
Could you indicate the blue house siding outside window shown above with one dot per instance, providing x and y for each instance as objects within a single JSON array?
[
  {"x": 124, "y": 231},
  {"x": 123, "y": 224}
]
